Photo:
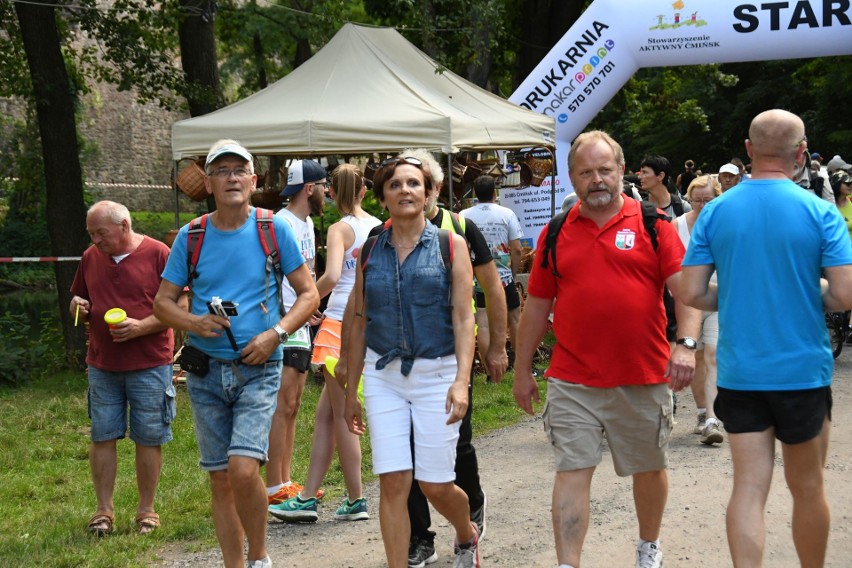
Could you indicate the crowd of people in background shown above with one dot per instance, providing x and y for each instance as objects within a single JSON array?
[{"x": 687, "y": 263}]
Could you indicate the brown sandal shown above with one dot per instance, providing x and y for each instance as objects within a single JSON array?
[
  {"x": 100, "y": 524},
  {"x": 147, "y": 522}
]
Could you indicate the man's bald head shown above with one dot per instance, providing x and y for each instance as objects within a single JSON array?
[{"x": 776, "y": 133}]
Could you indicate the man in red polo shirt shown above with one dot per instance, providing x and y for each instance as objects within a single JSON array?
[{"x": 612, "y": 366}]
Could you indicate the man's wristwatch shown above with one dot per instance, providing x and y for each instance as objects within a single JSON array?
[
  {"x": 283, "y": 335},
  {"x": 687, "y": 342}
]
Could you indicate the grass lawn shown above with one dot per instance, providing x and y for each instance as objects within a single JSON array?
[{"x": 46, "y": 495}]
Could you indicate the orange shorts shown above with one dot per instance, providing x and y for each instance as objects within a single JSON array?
[{"x": 327, "y": 342}]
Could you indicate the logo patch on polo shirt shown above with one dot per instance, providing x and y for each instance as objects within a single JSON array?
[{"x": 625, "y": 239}]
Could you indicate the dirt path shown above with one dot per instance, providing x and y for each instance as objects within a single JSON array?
[{"x": 517, "y": 473}]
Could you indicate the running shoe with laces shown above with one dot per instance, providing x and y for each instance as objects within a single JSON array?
[
  {"x": 421, "y": 552},
  {"x": 295, "y": 510},
  {"x": 288, "y": 492},
  {"x": 354, "y": 511},
  {"x": 478, "y": 516},
  {"x": 712, "y": 434},
  {"x": 649, "y": 555},
  {"x": 467, "y": 555}
]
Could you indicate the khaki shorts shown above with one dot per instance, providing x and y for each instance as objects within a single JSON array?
[{"x": 637, "y": 421}]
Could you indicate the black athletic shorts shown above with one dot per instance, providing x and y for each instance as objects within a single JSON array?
[
  {"x": 797, "y": 416},
  {"x": 299, "y": 359},
  {"x": 513, "y": 299}
]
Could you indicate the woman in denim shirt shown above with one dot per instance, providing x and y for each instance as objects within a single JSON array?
[{"x": 413, "y": 335}]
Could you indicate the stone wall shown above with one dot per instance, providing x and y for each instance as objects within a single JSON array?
[
  {"x": 129, "y": 154},
  {"x": 145, "y": 197},
  {"x": 132, "y": 160}
]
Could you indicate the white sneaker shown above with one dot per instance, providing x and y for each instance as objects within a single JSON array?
[
  {"x": 648, "y": 555},
  {"x": 263, "y": 563},
  {"x": 468, "y": 557},
  {"x": 712, "y": 433}
]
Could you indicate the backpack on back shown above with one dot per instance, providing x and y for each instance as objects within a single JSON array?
[
  {"x": 650, "y": 216},
  {"x": 266, "y": 232}
]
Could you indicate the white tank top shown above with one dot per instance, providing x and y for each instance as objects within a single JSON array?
[{"x": 340, "y": 294}]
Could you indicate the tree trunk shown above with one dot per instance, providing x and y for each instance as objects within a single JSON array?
[
  {"x": 54, "y": 100},
  {"x": 198, "y": 58},
  {"x": 479, "y": 66},
  {"x": 543, "y": 23}
]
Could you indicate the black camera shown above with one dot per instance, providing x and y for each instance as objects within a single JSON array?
[
  {"x": 225, "y": 309},
  {"x": 222, "y": 308}
]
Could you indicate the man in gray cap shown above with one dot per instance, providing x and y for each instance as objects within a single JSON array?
[
  {"x": 837, "y": 163},
  {"x": 234, "y": 362},
  {"x": 306, "y": 189}
]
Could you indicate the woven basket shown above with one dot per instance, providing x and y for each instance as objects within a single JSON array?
[
  {"x": 191, "y": 181},
  {"x": 535, "y": 170}
]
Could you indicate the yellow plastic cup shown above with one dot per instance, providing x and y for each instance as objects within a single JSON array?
[{"x": 115, "y": 316}]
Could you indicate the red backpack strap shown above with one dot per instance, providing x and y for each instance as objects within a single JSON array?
[
  {"x": 266, "y": 234},
  {"x": 195, "y": 238},
  {"x": 366, "y": 250},
  {"x": 266, "y": 231}
]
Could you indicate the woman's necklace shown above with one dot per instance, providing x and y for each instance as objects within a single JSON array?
[{"x": 401, "y": 246}]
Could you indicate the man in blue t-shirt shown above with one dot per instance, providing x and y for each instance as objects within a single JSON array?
[
  {"x": 769, "y": 241},
  {"x": 233, "y": 400}
]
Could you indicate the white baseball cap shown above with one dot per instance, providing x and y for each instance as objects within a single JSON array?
[
  {"x": 230, "y": 148},
  {"x": 729, "y": 169}
]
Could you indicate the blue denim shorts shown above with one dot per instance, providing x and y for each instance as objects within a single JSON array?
[
  {"x": 232, "y": 410},
  {"x": 150, "y": 395}
]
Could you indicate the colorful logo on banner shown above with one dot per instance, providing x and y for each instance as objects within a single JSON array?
[
  {"x": 679, "y": 18},
  {"x": 552, "y": 91}
]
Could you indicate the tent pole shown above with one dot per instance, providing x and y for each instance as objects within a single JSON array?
[{"x": 450, "y": 176}]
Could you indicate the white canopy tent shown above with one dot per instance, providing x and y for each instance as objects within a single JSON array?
[{"x": 367, "y": 90}]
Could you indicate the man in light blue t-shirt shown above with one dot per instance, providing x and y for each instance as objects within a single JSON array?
[
  {"x": 233, "y": 398},
  {"x": 769, "y": 241}
]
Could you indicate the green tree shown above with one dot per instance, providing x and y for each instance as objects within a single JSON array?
[
  {"x": 126, "y": 44},
  {"x": 54, "y": 104}
]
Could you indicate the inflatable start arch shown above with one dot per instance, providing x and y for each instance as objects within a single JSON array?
[{"x": 615, "y": 38}]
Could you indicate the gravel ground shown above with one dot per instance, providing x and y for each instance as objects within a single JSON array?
[{"x": 517, "y": 473}]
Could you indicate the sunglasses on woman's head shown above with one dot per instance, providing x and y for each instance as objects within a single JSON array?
[{"x": 405, "y": 159}]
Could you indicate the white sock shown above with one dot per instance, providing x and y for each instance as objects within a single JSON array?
[
  {"x": 702, "y": 411},
  {"x": 273, "y": 490},
  {"x": 711, "y": 421},
  {"x": 288, "y": 484},
  {"x": 565, "y": 566},
  {"x": 654, "y": 542}
]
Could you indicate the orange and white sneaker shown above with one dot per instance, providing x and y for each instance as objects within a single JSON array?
[
  {"x": 288, "y": 492},
  {"x": 320, "y": 493}
]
